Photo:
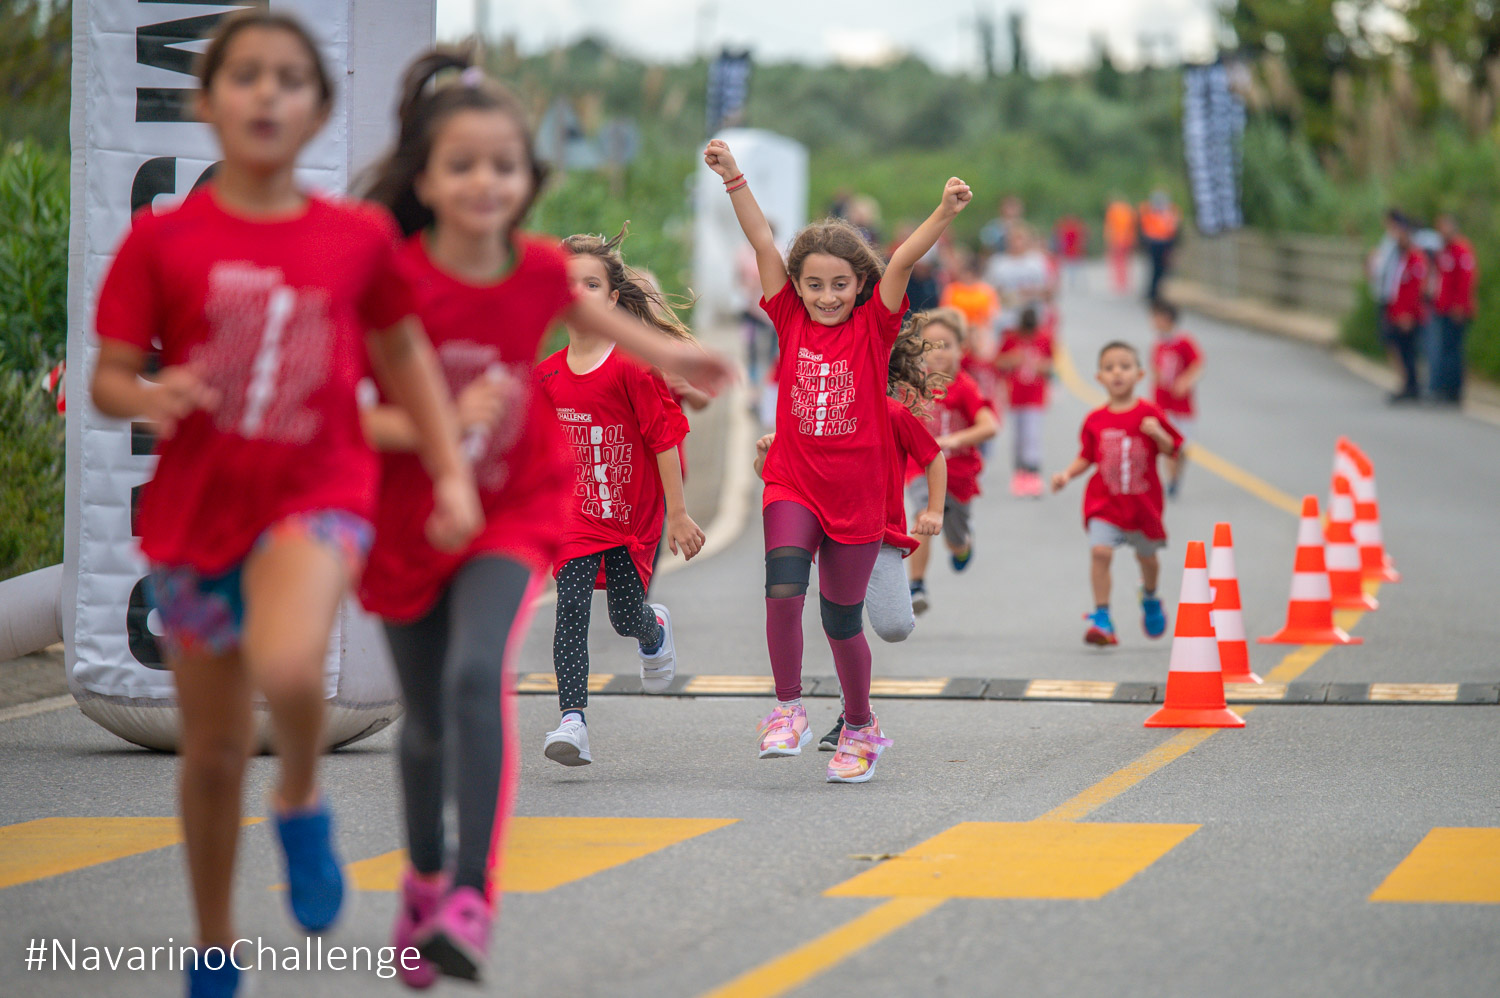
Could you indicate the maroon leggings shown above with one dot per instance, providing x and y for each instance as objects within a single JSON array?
[{"x": 792, "y": 531}]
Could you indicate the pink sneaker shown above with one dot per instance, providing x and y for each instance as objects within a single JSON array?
[
  {"x": 1034, "y": 485},
  {"x": 783, "y": 731},
  {"x": 418, "y": 900},
  {"x": 458, "y": 936},
  {"x": 859, "y": 750},
  {"x": 1018, "y": 484}
]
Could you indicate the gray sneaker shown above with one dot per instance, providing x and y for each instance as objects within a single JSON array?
[{"x": 569, "y": 744}]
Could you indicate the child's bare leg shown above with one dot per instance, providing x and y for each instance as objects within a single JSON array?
[
  {"x": 1101, "y": 555},
  {"x": 292, "y": 586},
  {"x": 213, "y": 696},
  {"x": 917, "y": 563},
  {"x": 1150, "y": 571}
]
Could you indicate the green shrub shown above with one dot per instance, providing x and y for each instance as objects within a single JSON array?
[
  {"x": 33, "y": 258},
  {"x": 31, "y": 476}
]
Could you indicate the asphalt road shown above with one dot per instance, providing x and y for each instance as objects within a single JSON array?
[{"x": 1239, "y": 864}]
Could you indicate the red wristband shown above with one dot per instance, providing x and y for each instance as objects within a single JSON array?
[
  {"x": 738, "y": 186},
  {"x": 733, "y": 179}
]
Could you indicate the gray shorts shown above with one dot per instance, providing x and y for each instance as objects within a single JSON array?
[
  {"x": 1102, "y": 533},
  {"x": 956, "y": 524}
]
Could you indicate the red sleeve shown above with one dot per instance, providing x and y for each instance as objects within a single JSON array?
[
  {"x": 661, "y": 420},
  {"x": 1467, "y": 274},
  {"x": 130, "y": 303},
  {"x": 1166, "y": 424},
  {"x": 387, "y": 297},
  {"x": 782, "y": 307},
  {"x": 1190, "y": 352},
  {"x": 1009, "y": 342},
  {"x": 913, "y": 438},
  {"x": 1044, "y": 344},
  {"x": 1088, "y": 442},
  {"x": 887, "y": 323},
  {"x": 970, "y": 400}
]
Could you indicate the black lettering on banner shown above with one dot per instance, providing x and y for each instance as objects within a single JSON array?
[
  {"x": 142, "y": 642},
  {"x": 156, "y": 45},
  {"x": 142, "y": 440},
  {"x": 158, "y": 176}
]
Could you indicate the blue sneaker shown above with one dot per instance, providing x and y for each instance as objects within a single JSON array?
[
  {"x": 1101, "y": 629},
  {"x": 961, "y": 562},
  {"x": 1152, "y": 617},
  {"x": 314, "y": 882},
  {"x": 204, "y": 982}
]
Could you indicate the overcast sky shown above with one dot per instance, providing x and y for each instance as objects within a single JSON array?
[{"x": 1059, "y": 32}]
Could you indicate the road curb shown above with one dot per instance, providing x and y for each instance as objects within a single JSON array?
[{"x": 1043, "y": 690}]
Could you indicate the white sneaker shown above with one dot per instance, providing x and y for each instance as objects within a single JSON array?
[
  {"x": 569, "y": 744},
  {"x": 658, "y": 671}
]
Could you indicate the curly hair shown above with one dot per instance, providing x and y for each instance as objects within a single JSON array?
[
  {"x": 638, "y": 295},
  {"x": 907, "y": 379},
  {"x": 426, "y": 105},
  {"x": 950, "y": 317},
  {"x": 836, "y": 237}
]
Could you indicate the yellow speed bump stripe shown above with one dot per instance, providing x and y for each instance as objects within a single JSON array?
[
  {"x": 908, "y": 687},
  {"x": 1071, "y": 689},
  {"x": 47, "y": 847},
  {"x": 730, "y": 684},
  {"x": 546, "y": 682},
  {"x": 1449, "y": 866},
  {"x": 545, "y": 853},
  {"x": 1419, "y": 692}
]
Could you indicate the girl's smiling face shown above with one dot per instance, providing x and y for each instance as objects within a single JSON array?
[
  {"x": 587, "y": 278},
  {"x": 942, "y": 349},
  {"x": 478, "y": 176},
  {"x": 828, "y": 288}
]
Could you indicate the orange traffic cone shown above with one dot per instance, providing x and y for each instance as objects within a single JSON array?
[
  {"x": 1228, "y": 621},
  {"x": 1374, "y": 562},
  {"x": 1345, "y": 579},
  {"x": 1195, "y": 684},
  {"x": 1309, "y": 616}
]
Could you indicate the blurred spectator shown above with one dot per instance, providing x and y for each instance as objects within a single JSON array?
[
  {"x": 1159, "y": 229},
  {"x": 995, "y": 236},
  {"x": 1021, "y": 276},
  {"x": 1453, "y": 306},
  {"x": 1119, "y": 241},
  {"x": 1406, "y": 308},
  {"x": 1070, "y": 237}
]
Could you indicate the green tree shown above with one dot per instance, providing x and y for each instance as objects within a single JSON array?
[{"x": 35, "y": 68}]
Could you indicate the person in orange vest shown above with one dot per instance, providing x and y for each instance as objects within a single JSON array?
[
  {"x": 1159, "y": 226},
  {"x": 1119, "y": 241}
]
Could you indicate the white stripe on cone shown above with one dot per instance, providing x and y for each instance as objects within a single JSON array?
[
  {"x": 1343, "y": 557},
  {"x": 1309, "y": 534},
  {"x": 1195, "y": 587},
  {"x": 1194, "y": 655},
  {"x": 1221, "y": 564},
  {"x": 1308, "y": 587},
  {"x": 1229, "y": 625}
]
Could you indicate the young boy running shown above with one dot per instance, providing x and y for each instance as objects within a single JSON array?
[
  {"x": 1176, "y": 366},
  {"x": 1123, "y": 501}
]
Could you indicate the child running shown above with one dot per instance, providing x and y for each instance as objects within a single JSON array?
[
  {"x": 887, "y": 598},
  {"x": 625, "y": 430},
  {"x": 267, "y": 303},
  {"x": 837, "y": 311},
  {"x": 1123, "y": 501},
  {"x": 961, "y": 419},
  {"x": 1026, "y": 359},
  {"x": 1176, "y": 366},
  {"x": 460, "y": 181}
]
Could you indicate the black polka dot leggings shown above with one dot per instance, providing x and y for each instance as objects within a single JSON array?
[{"x": 629, "y": 614}]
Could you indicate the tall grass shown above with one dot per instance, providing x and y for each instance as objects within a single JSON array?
[{"x": 33, "y": 258}]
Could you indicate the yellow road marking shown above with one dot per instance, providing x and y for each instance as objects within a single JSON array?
[
  {"x": 1449, "y": 866},
  {"x": 1123, "y": 779},
  {"x": 730, "y": 684},
  {"x": 1019, "y": 859},
  {"x": 831, "y": 948},
  {"x": 47, "y": 847},
  {"x": 546, "y": 682},
  {"x": 1089, "y": 395},
  {"x": 545, "y": 853},
  {"x": 908, "y": 687},
  {"x": 1431, "y": 692},
  {"x": 1082, "y": 689}
]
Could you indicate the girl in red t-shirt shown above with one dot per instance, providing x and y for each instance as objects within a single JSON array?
[
  {"x": 1026, "y": 359},
  {"x": 961, "y": 419},
  {"x": 836, "y": 310},
  {"x": 460, "y": 181},
  {"x": 625, "y": 431},
  {"x": 261, "y": 299}
]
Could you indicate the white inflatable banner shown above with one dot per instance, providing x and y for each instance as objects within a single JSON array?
[{"x": 135, "y": 145}]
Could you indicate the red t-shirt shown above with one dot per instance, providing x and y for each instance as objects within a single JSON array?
[
  {"x": 273, "y": 316},
  {"x": 1407, "y": 305},
  {"x": 616, "y": 418},
  {"x": 1456, "y": 276},
  {"x": 911, "y": 442},
  {"x": 1027, "y": 382},
  {"x": 524, "y": 470},
  {"x": 1169, "y": 358},
  {"x": 986, "y": 376},
  {"x": 831, "y": 422},
  {"x": 1125, "y": 489},
  {"x": 956, "y": 411}
]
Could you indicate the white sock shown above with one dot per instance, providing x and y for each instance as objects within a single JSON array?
[{"x": 794, "y": 702}]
